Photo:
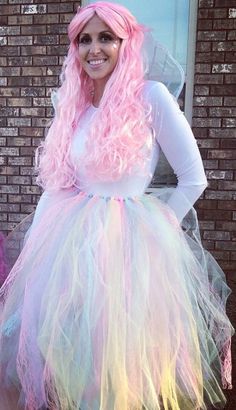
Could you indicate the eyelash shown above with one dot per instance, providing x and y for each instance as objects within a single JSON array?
[{"x": 105, "y": 38}]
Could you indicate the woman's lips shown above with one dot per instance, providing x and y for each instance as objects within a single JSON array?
[{"x": 96, "y": 63}]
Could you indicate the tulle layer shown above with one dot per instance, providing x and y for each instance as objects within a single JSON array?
[{"x": 110, "y": 305}]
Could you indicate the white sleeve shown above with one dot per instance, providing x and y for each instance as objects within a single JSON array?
[
  {"x": 48, "y": 199},
  {"x": 178, "y": 144}
]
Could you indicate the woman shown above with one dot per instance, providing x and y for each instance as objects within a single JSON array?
[{"x": 107, "y": 307}]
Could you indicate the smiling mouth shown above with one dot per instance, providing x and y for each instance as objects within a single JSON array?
[{"x": 95, "y": 63}]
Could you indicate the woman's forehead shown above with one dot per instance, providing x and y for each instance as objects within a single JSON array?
[{"x": 95, "y": 25}]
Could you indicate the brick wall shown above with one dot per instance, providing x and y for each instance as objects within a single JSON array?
[
  {"x": 33, "y": 42},
  {"x": 214, "y": 124}
]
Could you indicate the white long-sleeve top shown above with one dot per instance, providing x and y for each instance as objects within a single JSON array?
[{"x": 172, "y": 134}]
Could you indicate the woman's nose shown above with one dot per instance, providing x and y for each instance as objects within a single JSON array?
[{"x": 95, "y": 47}]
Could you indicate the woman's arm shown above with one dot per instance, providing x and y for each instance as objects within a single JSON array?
[{"x": 178, "y": 144}]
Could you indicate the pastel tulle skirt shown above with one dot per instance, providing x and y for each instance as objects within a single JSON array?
[{"x": 111, "y": 306}]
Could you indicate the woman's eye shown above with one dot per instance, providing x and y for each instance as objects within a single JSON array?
[
  {"x": 106, "y": 38},
  {"x": 84, "y": 40}
]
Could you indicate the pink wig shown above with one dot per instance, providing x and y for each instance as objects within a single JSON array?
[{"x": 118, "y": 140}]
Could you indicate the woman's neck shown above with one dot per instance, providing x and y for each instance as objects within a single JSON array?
[{"x": 99, "y": 87}]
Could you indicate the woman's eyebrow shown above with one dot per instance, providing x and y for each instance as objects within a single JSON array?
[{"x": 100, "y": 32}]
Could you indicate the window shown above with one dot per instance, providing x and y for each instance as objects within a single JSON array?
[{"x": 173, "y": 24}]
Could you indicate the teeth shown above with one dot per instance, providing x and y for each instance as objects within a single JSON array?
[{"x": 96, "y": 62}]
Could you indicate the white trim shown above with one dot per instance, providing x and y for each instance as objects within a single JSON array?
[{"x": 192, "y": 33}]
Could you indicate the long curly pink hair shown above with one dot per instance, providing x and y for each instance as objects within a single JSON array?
[{"x": 118, "y": 139}]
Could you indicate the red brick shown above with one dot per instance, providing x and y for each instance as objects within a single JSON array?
[
  {"x": 20, "y": 20},
  {"x": 225, "y": 245},
  {"x": 230, "y": 101},
  {"x": 206, "y": 122},
  {"x": 227, "y": 185},
  {"x": 211, "y": 35},
  {"x": 33, "y": 50},
  {"x": 27, "y": 208},
  {"x": 46, "y": 19},
  {"x": 231, "y": 35},
  {"x": 32, "y": 112},
  {"x": 57, "y": 28},
  {"x": 230, "y": 57},
  {"x": 8, "y": 131},
  {"x": 19, "y": 81},
  {"x": 19, "y": 199},
  {"x": 224, "y": 90},
  {"x": 224, "y": 68},
  {"x": 224, "y": 46},
  {"x": 221, "y": 133},
  {"x": 44, "y": 40},
  {"x": 48, "y": 81},
  {"x": 9, "y": 189},
  {"x": 20, "y": 40},
  {"x": 213, "y": 56},
  {"x": 18, "y": 122},
  {"x": 40, "y": 122},
  {"x": 201, "y": 90},
  {"x": 46, "y": 60},
  {"x": 66, "y": 18},
  {"x": 30, "y": 189},
  {"x": 34, "y": 9},
  {"x": 225, "y": 3},
  {"x": 221, "y": 154},
  {"x": 222, "y": 112},
  {"x": 204, "y": 24},
  {"x": 230, "y": 79},
  {"x": 227, "y": 164},
  {"x": 19, "y": 102},
  {"x": 9, "y": 170},
  {"x": 19, "y": 180},
  {"x": 10, "y": 51},
  {"x": 209, "y": 79},
  {"x": 18, "y": 142},
  {"x": 9, "y": 208},
  {"x": 207, "y": 204},
  {"x": 208, "y": 101},
  {"x": 217, "y": 174},
  {"x": 31, "y": 71},
  {"x": 226, "y": 226},
  {"x": 42, "y": 102},
  {"x": 19, "y": 61},
  {"x": 211, "y": 164},
  {"x": 228, "y": 143},
  {"x": 229, "y": 122},
  {"x": 33, "y": 92},
  {"x": 227, "y": 205},
  {"x": 26, "y": 171},
  {"x": 60, "y": 8},
  {"x": 202, "y": 68},
  {"x": 9, "y": 92},
  {"x": 224, "y": 25},
  {"x": 9, "y": 10},
  {"x": 33, "y": 29},
  {"x": 200, "y": 112},
  {"x": 31, "y": 132},
  {"x": 203, "y": 46},
  {"x": 206, "y": 3}
]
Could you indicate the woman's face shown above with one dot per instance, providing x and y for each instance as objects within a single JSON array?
[{"x": 98, "y": 49}]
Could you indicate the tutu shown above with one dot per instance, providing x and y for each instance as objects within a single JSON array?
[{"x": 112, "y": 305}]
